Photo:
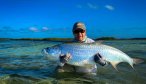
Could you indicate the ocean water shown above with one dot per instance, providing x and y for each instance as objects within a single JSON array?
[{"x": 21, "y": 62}]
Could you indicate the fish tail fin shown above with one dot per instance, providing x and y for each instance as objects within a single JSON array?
[
  {"x": 137, "y": 61},
  {"x": 114, "y": 64}
]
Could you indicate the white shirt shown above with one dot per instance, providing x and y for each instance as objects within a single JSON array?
[{"x": 86, "y": 40}]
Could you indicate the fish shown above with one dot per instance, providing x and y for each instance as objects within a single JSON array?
[{"x": 82, "y": 54}]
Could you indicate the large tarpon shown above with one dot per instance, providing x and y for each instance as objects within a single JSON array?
[{"x": 83, "y": 53}]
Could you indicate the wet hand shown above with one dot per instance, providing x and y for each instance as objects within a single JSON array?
[
  {"x": 65, "y": 58},
  {"x": 99, "y": 59}
]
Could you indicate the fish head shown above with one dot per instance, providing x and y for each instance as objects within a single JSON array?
[{"x": 52, "y": 51}]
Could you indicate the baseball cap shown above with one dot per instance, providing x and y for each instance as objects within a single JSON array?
[{"x": 79, "y": 25}]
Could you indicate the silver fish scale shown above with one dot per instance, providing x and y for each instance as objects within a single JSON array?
[
  {"x": 80, "y": 53},
  {"x": 113, "y": 54},
  {"x": 86, "y": 51},
  {"x": 83, "y": 53}
]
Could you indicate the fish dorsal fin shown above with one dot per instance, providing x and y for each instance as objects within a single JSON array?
[{"x": 114, "y": 64}]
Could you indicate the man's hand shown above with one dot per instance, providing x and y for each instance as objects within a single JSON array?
[
  {"x": 64, "y": 59},
  {"x": 99, "y": 59}
]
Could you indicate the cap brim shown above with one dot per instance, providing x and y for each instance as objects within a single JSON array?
[{"x": 79, "y": 28}]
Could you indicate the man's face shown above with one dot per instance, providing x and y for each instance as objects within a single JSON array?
[{"x": 79, "y": 34}]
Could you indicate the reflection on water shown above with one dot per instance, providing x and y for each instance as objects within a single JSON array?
[{"x": 21, "y": 62}]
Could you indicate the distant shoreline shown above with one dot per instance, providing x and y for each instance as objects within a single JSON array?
[
  {"x": 69, "y": 39},
  {"x": 39, "y": 39}
]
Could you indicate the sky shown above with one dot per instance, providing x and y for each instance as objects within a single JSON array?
[{"x": 55, "y": 18}]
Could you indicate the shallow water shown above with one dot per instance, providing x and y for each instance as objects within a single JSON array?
[{"x": 21, "y": 62}]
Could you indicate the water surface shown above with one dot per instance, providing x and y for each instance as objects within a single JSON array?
[{"x": 21, "y": 62}]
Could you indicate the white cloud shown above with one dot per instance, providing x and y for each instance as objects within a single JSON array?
[
  {"x": 92, "y": 6},
  {"x": 109, "y": 7},
  {"x": 95, "y": 6},
  {"x": 34, "y": 29},
  {"x": 45, "y": 28}
]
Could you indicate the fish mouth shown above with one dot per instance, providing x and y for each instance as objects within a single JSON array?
[{"x": 44, "y": 52}]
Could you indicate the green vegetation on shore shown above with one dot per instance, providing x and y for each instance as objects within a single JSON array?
[{"x": 106, "y": 38}]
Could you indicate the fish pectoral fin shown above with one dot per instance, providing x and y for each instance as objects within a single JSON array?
[{"x": 114, "y": 64}]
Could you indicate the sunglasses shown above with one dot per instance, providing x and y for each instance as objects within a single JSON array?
[{"x": 79, "y": 31}]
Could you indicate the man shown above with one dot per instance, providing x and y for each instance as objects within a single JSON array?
[{"x": 79, "y": 32}]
